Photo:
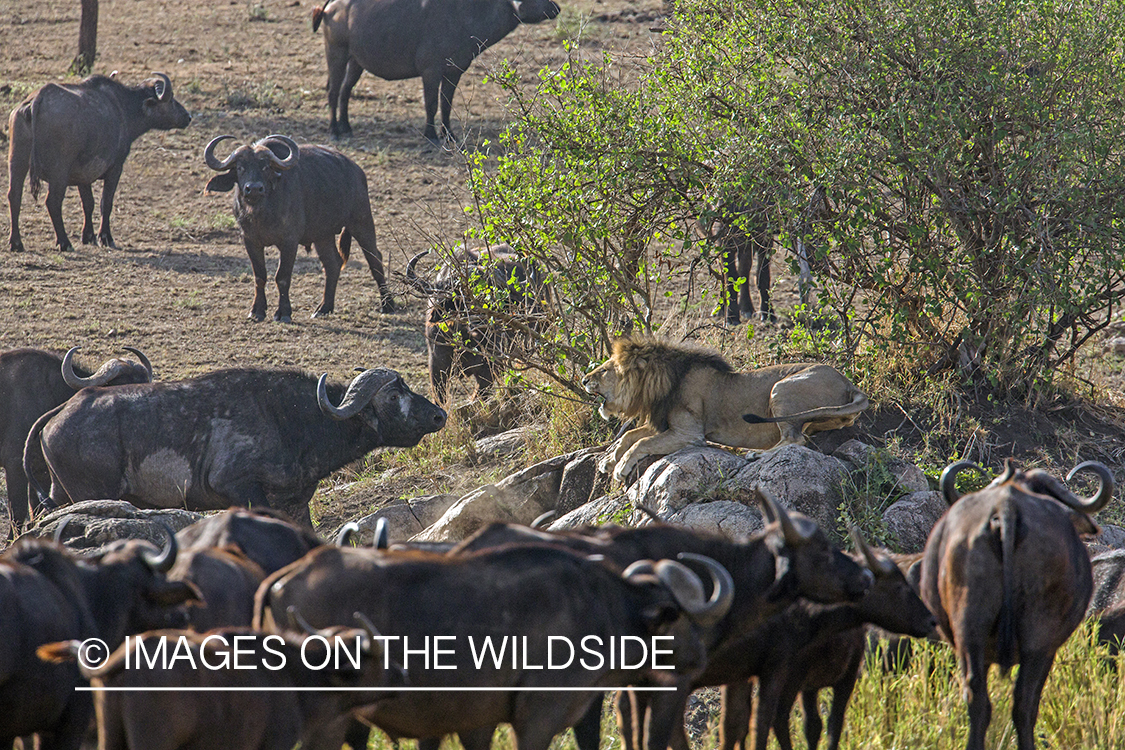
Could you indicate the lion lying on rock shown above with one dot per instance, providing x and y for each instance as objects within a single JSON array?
[{"x": 684, "y": 395}]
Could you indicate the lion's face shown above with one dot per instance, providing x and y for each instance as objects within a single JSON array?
[{"x": 602, "y": 382}]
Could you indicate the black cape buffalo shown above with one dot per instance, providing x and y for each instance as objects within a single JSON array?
[
  {"x": 527, "y": 593},
  {"x": 32, "y": 383},
  {"x": 47, "y": 594},
  {"x": 475, "y": 330},
  {"x": 261, "y": 534},
  {"x": 289, "y": 195},
  {"x": 76, "y": 133},
  {"x": 1009, "y": 579},
  {"x": 396, "y": 39},
  {"x": 232, "y": 437}
]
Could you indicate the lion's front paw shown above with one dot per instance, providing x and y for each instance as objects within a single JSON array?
[
  {"x": 606, "y": 463},
  {"x": 623, "y": 470}
]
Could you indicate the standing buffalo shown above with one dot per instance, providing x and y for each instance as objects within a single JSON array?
[
  {"x": 397, "y": 39},
  {"x": 75, "y": 133},
  {"x": 1009, "y": 580},
  {"x": 231, "y": 437},
  {"x": 477, "y": 338},
  {"x": 47, "y": 594},
  {"x": 289, "y": 195},
  {"x": 32, "y": 383}
]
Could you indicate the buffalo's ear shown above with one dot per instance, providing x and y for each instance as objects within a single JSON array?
[{"x": 221, "y": 183}]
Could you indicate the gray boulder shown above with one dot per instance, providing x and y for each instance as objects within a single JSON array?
[
  {"x": 690, "y": 475},
  {"x": 908, "y": 477},
  {"x": 93, "y": 524},
  {"x": 801, "y": 479},
  {"x": 911, "y": 518},
  {"x": 404, "y": 520}
]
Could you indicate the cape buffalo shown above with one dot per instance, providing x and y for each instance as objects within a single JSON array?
[
  {"x": 76, "y": 133},
  {"x": 261, "y": 534},
  {"x": 527, "y": 593},
  {"x": 245, "y": 684},
  {"x": 32, "y": 383},
  {"x": 232, "y": 437},
  {"x": 48, "y": 594},
  {"x": 396, "y": 39},
  {"x": 478, "y": 338},
  {"x": 289, "y": 195},
  {"x": 1008, "y": 578}
]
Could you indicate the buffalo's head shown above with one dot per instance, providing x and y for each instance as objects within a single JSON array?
[
  {"x": 161, "y": 110},
  {"x": 400, "y": 416},
  {"x": 256, "y": 170}
]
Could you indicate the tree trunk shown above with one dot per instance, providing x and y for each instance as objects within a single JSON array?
[{"x": 87, "y": 38}]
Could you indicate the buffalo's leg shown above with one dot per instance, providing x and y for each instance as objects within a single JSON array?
[
  {"x": 357, "y": 734},
  {"x": 337, "y": 59},
  {"x": 258, "y": 264},
  {"x": 974, "y": 678},
  {"x": 734, "y": 721},
  {"x": 431, "y": 87},
  {"x": 1034, "y": 669},
  {"x": 449, "y": 80},
  {"x": 56, "y": 191},
  {"x": 351, "y": 78},
  {"x": 626, "y": 707},
  {"x": 109, "y": 189},
  {"x": 664, "y": 715},
  {"x": 330, "y": 259},
  {"x": 17, "y": 499},
  {"x": 362, "y": 228},
  {"x": 588, "y": 730},
  {"x": 841, "y": 694},
  {"x": 19, "y": 161},
  {"x": 441, "y": 356},
  {"x": 764, "y": 252},
  {"x": 810, "y": 706},
  {"x": 86, "y": 193}
]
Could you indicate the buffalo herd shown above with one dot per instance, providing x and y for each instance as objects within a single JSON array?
[{"x": 247, "y": 631}]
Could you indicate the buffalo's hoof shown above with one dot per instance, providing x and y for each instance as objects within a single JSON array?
[
  {"x": 65, "y": 247},
  {"x": 341, "y": 131},
  {"x": 257, "y": 317},
  {"x": 279, "y": 318},
  {"x": 88, "y": 237},
  {"x": 106, "y": 240},
  {"x": 322, "y": 313},
  {"x": 388, "y": 305},
  {"x": 16, "y": 246}
]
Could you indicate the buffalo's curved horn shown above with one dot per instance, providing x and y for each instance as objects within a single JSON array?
[
  {"x": 948, "y": 481},
  {"x": 423, "y": 286},
  {"x": 212, "y": 161},
  {"x": 638, "y": 568},
  {"x": 290, "y": 159},
  {"x": 544, "y": 519},
  {"x": 687, "y": 588},
  {"x": 58, "y": 535},
  {"x": 793, "y": 536},
  {"x": 374, "y": 638},
  {"x": 107, "y": 372},
  {"x": 1099, "y": 499},
  {"x": 381, "y": 539},
  {"x": 162, "y": 561},
  {"x": 141, "y": 356},
  {"x": 344, "y": 536},
  {"x": 876, "y": 564},
  {"x": 163, "y": 87},
  {"x": 359, "y": 393},
  {"x": 296, "y": 618}
]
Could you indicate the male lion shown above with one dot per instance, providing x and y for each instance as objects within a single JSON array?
[{"x": 684, "y": 395}]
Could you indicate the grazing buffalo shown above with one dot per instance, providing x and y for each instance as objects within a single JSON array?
[
  {"x": 76, "y": 133},
  {"x": 232, "y": 437},
  {"x": 289, "y": 195},
  {"x": 812, "y": 646},
  {"x": 48, "y": 594},
  {"x": 32, "y": 383},
  {"x": 528, "y": 594},
  {"x": 1008, "y": 578},
  {"x": 396, "y": 39},
  {"x": 245, "y": 685},
  {"x": 478, "y": 338},
  {"x": 263, "y": 535}
]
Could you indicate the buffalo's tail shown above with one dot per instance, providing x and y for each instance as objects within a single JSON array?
[
  {"x": 33, "y": 449},
  {"x": 33, "y": 172},
  {"x": 1006, "y": 646},
  {"x": 345, "y": 247}
]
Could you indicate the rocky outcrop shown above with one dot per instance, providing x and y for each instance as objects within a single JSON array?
[{"x": 93, "y": 524}]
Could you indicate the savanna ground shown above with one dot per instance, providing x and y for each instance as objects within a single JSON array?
[{"x": 179, "y": 286}]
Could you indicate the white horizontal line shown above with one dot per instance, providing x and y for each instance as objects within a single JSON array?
[{"x": 243, "y": 689}]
